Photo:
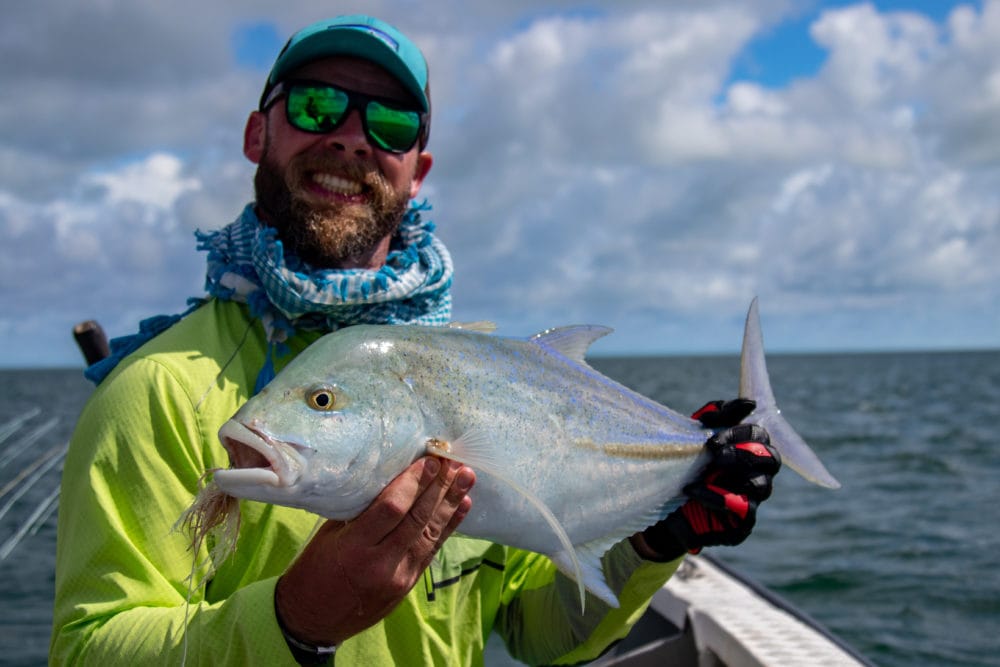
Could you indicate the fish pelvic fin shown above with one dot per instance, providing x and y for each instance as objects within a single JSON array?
[
  {"x": 755, "y": 384},
  {"x": 473, "y": 449}
]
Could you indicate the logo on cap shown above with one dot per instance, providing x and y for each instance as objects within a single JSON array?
[{"x": 374, "y": 32}]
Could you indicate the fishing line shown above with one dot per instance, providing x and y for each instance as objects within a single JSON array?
[{"x": 243, "y": 340}]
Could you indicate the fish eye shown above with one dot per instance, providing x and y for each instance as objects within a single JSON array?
[{"x": 322, "y": 398}]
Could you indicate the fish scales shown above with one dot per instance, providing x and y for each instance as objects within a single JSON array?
[{"x": 541, "y": 436}]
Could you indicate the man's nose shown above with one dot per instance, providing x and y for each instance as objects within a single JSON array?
[{"x": 350, "y": 136}]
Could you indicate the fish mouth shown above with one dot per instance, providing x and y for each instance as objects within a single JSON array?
[{"x": 257, "y": 458}]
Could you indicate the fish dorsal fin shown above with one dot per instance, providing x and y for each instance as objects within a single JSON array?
[
  {"x": 572, "y": 341},
  {"x": 480, "y": 326},
  {"x": 475, "y": 449}
]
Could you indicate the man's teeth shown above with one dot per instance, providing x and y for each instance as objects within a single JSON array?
[{"x": 337, "y": 184}]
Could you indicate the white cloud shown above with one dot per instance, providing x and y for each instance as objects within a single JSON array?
[
  {"x": 157, "y": 182},
  {"x": 592, "y": 163},
  {"x": 798, "y": 183},
  {"x": 873, "y": 53},
  {"x": 746, "y": 99}
]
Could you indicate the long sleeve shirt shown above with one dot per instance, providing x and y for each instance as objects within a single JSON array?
[{"x": 123, "y": 573}]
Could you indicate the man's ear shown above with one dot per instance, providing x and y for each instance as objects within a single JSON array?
[
  {"x": 424, "y": 163},
  {"x": 254, "y": 136}
]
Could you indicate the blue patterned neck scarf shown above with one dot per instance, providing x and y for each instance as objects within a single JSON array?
[{"x": 247, "y": 263}]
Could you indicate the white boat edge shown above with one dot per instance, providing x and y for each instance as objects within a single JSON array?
[{"x": 709, "y": 615}]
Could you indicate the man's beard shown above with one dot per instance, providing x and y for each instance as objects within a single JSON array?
[{"x": 330, "y": 235}]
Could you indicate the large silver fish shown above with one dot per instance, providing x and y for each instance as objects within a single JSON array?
[{"x": 569, "y": 462}]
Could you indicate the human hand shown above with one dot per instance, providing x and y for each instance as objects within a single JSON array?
[
  {"x": 723, "y": 500},
  {"x": 353, "y": 574}
]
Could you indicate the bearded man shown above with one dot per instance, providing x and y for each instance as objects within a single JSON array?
[{"x": 333, "y": 239}]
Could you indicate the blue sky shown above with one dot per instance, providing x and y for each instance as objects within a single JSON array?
[
  {"x": 786, "y": 51},
  {"x": 644, "y": 165}
]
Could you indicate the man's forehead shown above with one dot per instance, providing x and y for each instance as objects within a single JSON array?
[{"x": 354, "y": 74}]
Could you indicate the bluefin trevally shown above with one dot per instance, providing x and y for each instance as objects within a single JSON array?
[{"x": 568, "y": 461}]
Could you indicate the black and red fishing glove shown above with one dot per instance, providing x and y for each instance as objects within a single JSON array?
[{"x": 723, "y": 500}]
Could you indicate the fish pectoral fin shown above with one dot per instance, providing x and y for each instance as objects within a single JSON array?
[{"x": 473, "y": 448}]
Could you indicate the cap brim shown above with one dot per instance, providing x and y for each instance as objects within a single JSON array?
[{"x": 350, "y": 42}]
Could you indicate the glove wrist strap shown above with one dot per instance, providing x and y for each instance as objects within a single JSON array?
[{"x": 661, "y": 546}]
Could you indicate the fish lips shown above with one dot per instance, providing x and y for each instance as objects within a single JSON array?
[{"x": 258, "y": 459}]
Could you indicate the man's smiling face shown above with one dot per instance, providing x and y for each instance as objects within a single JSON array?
[{"x": 334, "y": 198}]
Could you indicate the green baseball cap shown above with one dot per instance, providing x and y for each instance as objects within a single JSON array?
[{"x": 360, "y": 36}]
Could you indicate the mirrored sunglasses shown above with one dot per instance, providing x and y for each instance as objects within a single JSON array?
[{"x": 317, "y": 107}]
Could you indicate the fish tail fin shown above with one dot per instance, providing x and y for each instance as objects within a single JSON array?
[{"x": 755, "y": 384}]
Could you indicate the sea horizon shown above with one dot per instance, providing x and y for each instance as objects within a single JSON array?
[{"x": 62, "y": 366}]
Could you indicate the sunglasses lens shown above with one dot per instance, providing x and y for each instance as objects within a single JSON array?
[
  {"x": 316, "y": 108},
  {"x": 392, "y": 129},
  {"x": 321, "y": 108}
]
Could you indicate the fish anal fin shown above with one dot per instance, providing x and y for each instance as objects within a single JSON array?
[
  {"x": 590, "y": 556},
  {"x": 589, "y": 576}
]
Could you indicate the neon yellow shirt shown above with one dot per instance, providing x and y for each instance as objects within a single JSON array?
[{"x": 146, "y": 437}]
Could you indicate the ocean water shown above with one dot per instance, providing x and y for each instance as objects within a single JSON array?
[{"x": 902, "y": 563}]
